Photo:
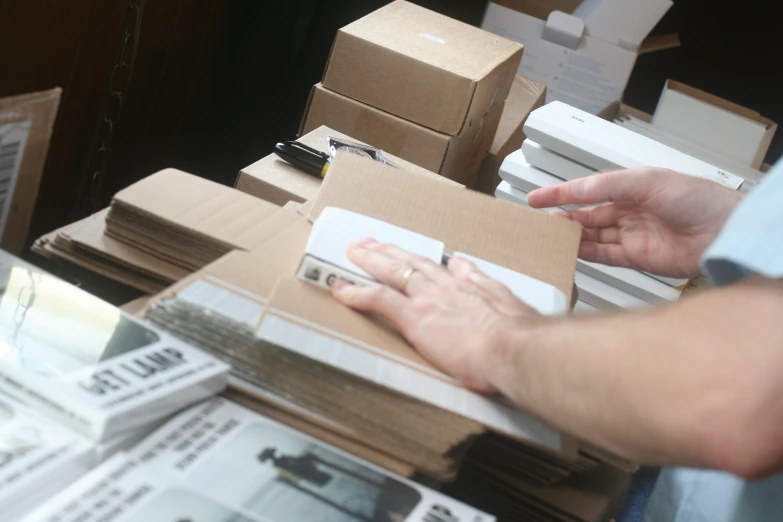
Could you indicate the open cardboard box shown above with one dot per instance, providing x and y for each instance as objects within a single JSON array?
[
  {"x": 737, "y": 132},
  {"x": 595, "y": 72},
  {"x": 259, "y": 289}
]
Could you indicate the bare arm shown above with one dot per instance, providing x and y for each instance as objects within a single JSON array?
[{"x": 699, "y": 383}]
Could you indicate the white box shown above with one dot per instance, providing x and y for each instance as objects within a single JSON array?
[
  {"x": 584, "y": 308},
  {"x": 589, "y": 77},
  {"x": 624, "y": 23},
  {"x": 691, "y": 148},
  {"x": 506, "y": 192},
  {"x": 545, "y": 298},
  {"x": 325, "y": 257},
  {"x": 87, "y": 364},
  {"x": 554, "y": 163},
  {"x": 602, "y": 145},
  {"x": 604, "y": 296},
  {"x": 630, "y": 281},
  {"x": 521, "y": 175},
  {"x": 737, "y": 136}
]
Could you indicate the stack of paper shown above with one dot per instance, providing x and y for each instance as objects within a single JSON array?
[
  {"x": 80, "y": 380},
  {"x": 220, "y": 461}
]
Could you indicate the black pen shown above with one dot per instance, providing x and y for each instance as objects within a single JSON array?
[{"x": 304, "y": 158}]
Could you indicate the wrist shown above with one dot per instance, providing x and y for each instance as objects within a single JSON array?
[{"x": 509, "y": 349}]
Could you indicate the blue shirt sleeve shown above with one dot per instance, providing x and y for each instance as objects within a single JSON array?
[{"x": 751, "y": 242}]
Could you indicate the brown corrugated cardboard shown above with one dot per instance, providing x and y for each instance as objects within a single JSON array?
[
  {"x": 453, "y": 157},
  {"x": 525, "y": 96},
  {"x": 530, "y": 242},
  {"x": 37, "y": 111},
  {"x": 186, "y": 220},
  {"x": 274, "y": 180},
  {"x": 422, "y": 66},
  {"x": 258, "y": 289}
]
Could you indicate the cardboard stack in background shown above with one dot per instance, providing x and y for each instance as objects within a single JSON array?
[
  {"x": 249, "y": 309},
  {"x": 422, "y": 86},
  {"x": 26, "y": 126},
  {"x": 584, "y": 58}
]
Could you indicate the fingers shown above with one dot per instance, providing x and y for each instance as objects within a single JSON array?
[
  {"x": 392, "y": 266},
  {"x": 601, "y": 235},
  {"x": 595, "y": 217},
  {"x": 606, "y": 254},
  {"x": 379, "y": 300},
  {"x": 609, "y": 186},
  {"x": 467, "y": 271}
]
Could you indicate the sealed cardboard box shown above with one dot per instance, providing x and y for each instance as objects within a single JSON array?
[
  {"x": 453, "y": 157},
  {"x": 422, "y": 66},
  {"x": 276, "y": 181},
  {"x": 26, "y": 124},
  {"x": 525, "y": 96}
]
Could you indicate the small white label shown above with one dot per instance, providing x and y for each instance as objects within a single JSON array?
[
  {"x": 432, "y": 38},
  {"x": 13, "y": 139}
]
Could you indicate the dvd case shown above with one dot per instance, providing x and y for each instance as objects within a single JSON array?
[
  {"x": 219, "y": 462},
  {"x": 87, "y": 364}
]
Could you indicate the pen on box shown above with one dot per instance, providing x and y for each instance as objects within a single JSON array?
[{"x": 304, "y": 158}]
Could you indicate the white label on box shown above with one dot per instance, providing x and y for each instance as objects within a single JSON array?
[
  {"x": 13, "y": 140},
  {"x": 432, "y": 38}
]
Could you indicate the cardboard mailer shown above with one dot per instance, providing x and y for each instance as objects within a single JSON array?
[
  {"x": 454, "y": 157},
  {"x": 422, "y": 66},
  {"x": 274, "y": 180},
  {"x": 258, "y": 289}
]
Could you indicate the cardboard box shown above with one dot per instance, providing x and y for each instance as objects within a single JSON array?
[
  {"x": 453, "y": 157},
  {"x": 589, "y": 77},
  {"x": 734, "y": 131},
  {"x": 274, "y": 180},
  {"x": 525, "y": 96},
  {"x": 422, "y": 66},
  {"x": 26, "y": 124},
  {"x": 300, "y": 317}
]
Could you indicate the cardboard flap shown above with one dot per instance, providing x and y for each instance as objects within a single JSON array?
[
  {"x": 525, "y": 96},
  {"x": 527, "y": 241}
]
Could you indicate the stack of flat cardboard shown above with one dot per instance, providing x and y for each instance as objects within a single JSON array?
[
  {"x": 186, "y": 220},
  {"x": 297, "y": 351},
  {"x": 422, "y": 86}
]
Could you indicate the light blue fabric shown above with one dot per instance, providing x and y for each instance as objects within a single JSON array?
[{"x": 750, "y": 243}]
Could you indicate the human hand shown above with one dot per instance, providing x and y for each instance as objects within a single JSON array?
[
  {"x": 456, "y": 317},
  {"x": 657, "y": 220}
]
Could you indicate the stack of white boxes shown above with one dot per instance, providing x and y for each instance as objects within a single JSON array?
[{"x": 565, "y": 143}]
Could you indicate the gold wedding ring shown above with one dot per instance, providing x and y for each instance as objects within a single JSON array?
[{"x": 405, "y": 278}]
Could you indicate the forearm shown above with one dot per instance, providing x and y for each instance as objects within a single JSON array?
[{"x": 655, "y": 385}]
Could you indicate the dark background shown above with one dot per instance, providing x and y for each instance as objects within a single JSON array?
[{"x": 217, "y": 82}]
